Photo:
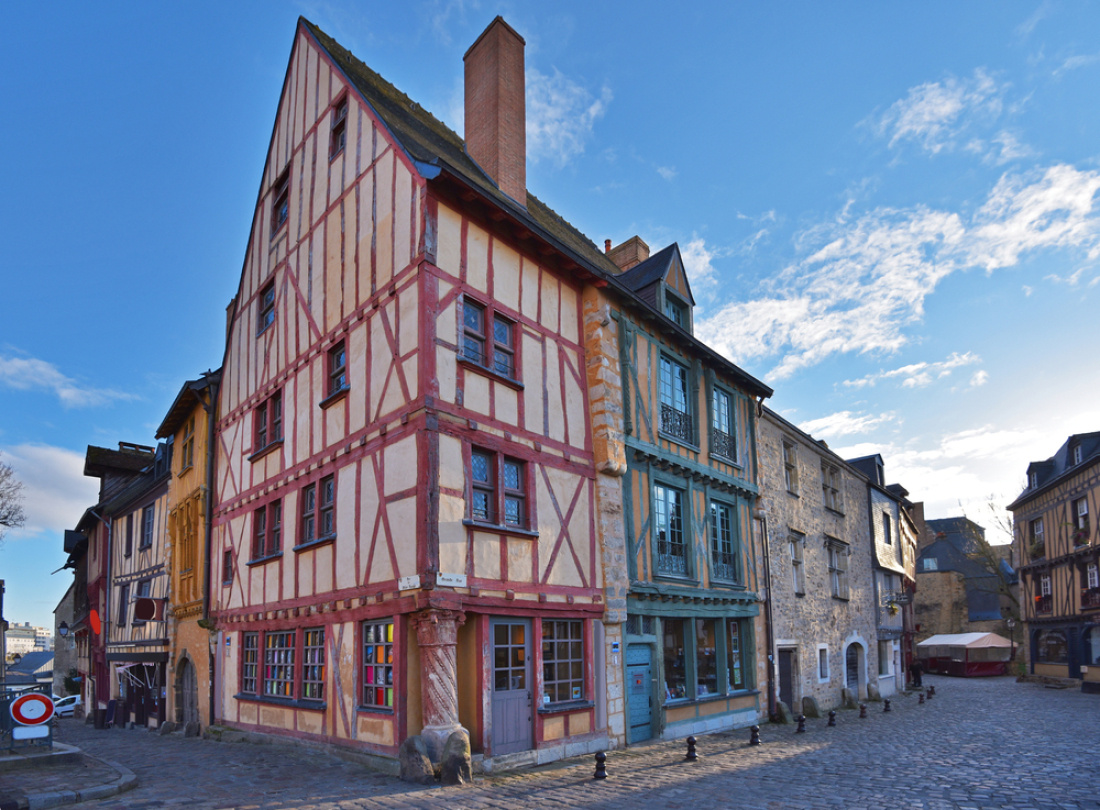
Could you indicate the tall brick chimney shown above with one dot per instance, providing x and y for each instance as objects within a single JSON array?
[{"x": 496, "y": 108}]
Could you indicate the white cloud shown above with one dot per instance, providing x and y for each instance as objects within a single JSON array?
[
  {"x": 698, "y": 263},
  {"x": 865, "y": 279},
  {"x": 55, "y": 489},
  {"x": 667, "y": 172},
  {"x": 979, "y": 379},
  {"x": 844, "y": 423},
  {"x": 1076, "y": 62},
  {"x": 561, "y": 115},
  {"x": 30, "y": 374},
  {"x": 917, "y": 375},
  {"x": 935, "y": 114},
  {"x": 1007, "y": 148}
]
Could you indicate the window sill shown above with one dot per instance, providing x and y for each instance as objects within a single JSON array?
[
  {"x": 490, "y": 373},
  {"x": 679, "y": 579},
  {"x": 800, "y": 594},
  {"x": 267, "y": 448},
  {"x": 793, "y": 494},
  {"x": 836, "y": 512},
  {"x": 568, "y": 706},
  {"x": 184, "y": 470},
  {"x": 294, "y": 703},
  {"x": 262, "y": 560},
  {"x": 385, "y": 710},
  {"x": 259, "y": 332},
  {"x": 728, "y": 583},
  {"x": 724, "y": 459},
  {"x": 320, "y": 541},
  {"x": 841, "y": 598},
  {"x": 336, "y": 154},
  {"x": 677, "y": 440},
  {"x": 333, "y": 398},
  {"x": 498, "y": 528}
]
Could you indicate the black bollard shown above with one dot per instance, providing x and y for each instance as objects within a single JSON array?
[
  {"x": 601, "y": 767},
  {"x": 801, "y": 724},
  {"x": 862, "y": 710},
  {"x": 931, "y": 691},
  {"x": 920, "y": 701},
  {"x": 754, "y": 738},
  {"x": 832, "y": 718},
  {"x": 691, "y": 755},
  {"x": 886, "y": 705}
]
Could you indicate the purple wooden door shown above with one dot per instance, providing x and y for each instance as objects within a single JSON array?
[{"x": 512, "y": 706}]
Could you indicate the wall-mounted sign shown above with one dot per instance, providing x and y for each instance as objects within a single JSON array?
[
  {"x": 614, "y": 646},
  {"x": 408, "y": 583},
  {"x": 451, "y": 580}
]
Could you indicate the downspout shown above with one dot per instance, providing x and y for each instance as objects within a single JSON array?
[
  {"x": 208, "y": 406},
  {"x": 769, "y": 621},
  {"x": 105, "y": 621}
]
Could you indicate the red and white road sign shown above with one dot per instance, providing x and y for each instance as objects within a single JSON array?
[{"x": 32, "y": 709}]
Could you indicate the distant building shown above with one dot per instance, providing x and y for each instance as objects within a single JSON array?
[
  {"x": 1059, "y": 548},
  {"x": 956, "y": 591},
  {"x": 22, "y": 639}
]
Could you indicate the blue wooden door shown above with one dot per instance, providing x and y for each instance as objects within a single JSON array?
[
  {"x": 513, "y": 728},
  {"x": 639, "y": 687}
]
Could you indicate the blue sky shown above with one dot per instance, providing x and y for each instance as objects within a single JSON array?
[{"x": 888, "y": 211}]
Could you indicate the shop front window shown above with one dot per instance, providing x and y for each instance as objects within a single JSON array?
[
  {"x": 706, "y": 659},
  {"x": 675, "y": 662}
]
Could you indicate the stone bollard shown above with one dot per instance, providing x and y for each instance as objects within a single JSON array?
[
  {"x": 754, "y": 738},
  {"x": 920, "y": 701},
  {"x": 886, "y": 705},
  {"x": 832, "y": 718},
  {"x": 862, "y": 711},
  {"x": 801, "y": 724},
  {"x": 691, "y": 755},
  {"x": 601, "y": 767}
]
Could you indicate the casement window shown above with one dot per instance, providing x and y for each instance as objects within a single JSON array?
[
  {"x": 668, "y": 527},
  {"x": 830, "y": 488},
  {"x": 822, "y": 664},
  {"x": 1044, "y": 585},
  {"x": 339, "y": 134},
  {"x": 1035, "y": 531},
  {"x": 676, "y": 311},
  {"x": 1092, "y": 575},
  {"x": 723, "y": 548},
  {"x": 128, "y": 546},
  {"x": 838, "y": 567},
  {"x": 930, "y": 564},
  {"x": 1033, "y": 480},
  {"x": 736, "y": 650},
  {"x": 313, "y": 664},
  {"x": 187, "y": 447},
  {"x": 675, "y": 408},
  {"x": 148, "y": 515},
  {"x": 706, "y": 659},
  {"x": 318, "y": 511},
  {"x": 265, "y": 307},
  {"x": 498, "y": 489},
  {"x": 562, "y": 661},
  {"x": 123, "y": 604},
  {"x": 1078, "y": 455},
  {"x": 250, "y": 662},
  {"x": 227, "y": 567},
  {"x": 267, "y": 530},
  {"x": 280, "y": 205},
  {"x": 887, "y": 535},
  {"x": 144, "y": 591},
  {"x": 796, "y": 544},
  {"x": 268, "y": 422},
  {"x": 337, "y": 369},
  {"x": 1044, "y": 601},
  {"x": 722, "y": 440},
  {"x": 885, "y": 657},
  {"x": 278, "y": 674},
  {"x": 377, "y": 680},
  {"x": 1080, "y": 517},
  {"x": 790, "y": 467},
  {"x": 675, "y": 655},
  {"x": 488, "y": 339}
]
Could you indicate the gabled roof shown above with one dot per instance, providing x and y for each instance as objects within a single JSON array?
[
  {"x": 656, "y": 268},
  {"x": 185, "y": 402},
  {"x": 128, "y": 458},
  {"x": 1060, "y": 466},
  {"x": 32, "y": 662},
  {"x": 435, "y": 150}
]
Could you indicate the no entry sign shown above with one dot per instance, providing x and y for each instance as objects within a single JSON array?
[{"x": 32, "y": 710}]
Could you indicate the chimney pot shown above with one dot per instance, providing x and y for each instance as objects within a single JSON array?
[{"x": 606, "y": 245}]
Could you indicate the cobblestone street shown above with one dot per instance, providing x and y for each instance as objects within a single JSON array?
[{"x": 988, "y": 743}]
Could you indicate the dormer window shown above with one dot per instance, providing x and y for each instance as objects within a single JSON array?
[
  {"x": 1077, "y": 454},
  {"x": 676, "y": 311},
  {"x": 1032, "y": 480}
]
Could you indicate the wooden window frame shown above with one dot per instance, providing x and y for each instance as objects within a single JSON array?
[
  {"x": 481, "y": 344},
  {"x": 671, "y": 519},
  {"x": 561, "y": 673},
  {"x": 267, "y": 532},
  {"x": 337, "y": 369},
  {"x": 187, "y": 446},
  {"x": 831, "y": 495},
  {"x": 790, "y": 466},
  {"x": 372, "y": 647},
  {"x": 267, "y": 425},
  {"x": 265, "y": 307},
  {"x": 674, "y": 380},
  {"x": 502, "y": 499},
  {"x": 839, "y": 552},
  {"x": 729, "y": 569},
  {"x": 250, "y": 663},
  {"x": 313, "y": 664},
  {"x": 128, "y": 546},
  {"x": 317, "y": 513},
  {"x": 148, "y": 526},
  {"x": 278, "y": 673},
  {"x": 338, "y": 133},
  {"x": 227, "y": 566},
  {"x": 280, "y": 202},
  {"x": 797, "y": 548},
  {"x": 723, "y": 424},
  {"x": 122, "y": 617}
]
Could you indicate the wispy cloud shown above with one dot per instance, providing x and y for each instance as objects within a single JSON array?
[
  {"x": 667, "y": 172},
  {"x": 936, "y": 114},
  {"x": 698, "y": 263},
  {"x": 845, "y": 423},
  {"x": 561, "y": 115},
  {"x": 55, "y": 489},
  {"x": 32, "y": 374},
  {"x": 917, "y": 375},
  {"x": 865, "y": 279},
  {"x": 1027, "y": 26},
  {"x": 1076, "y": 62},
  {"x": 979, "y": 378}
]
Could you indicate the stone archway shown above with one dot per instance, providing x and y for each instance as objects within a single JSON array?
[
  {"x": 187, "y": 692},
  {"x": 855, "y": 668}
]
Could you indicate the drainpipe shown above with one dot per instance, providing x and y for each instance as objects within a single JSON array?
[
  {"x": 208, "y": 406},
  {"x": 105, "y": 620},
  {"x": 762, "y": 517}
]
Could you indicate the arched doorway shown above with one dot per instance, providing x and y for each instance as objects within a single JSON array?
[
  {"x": 187, "y": 693},
  {"x": 853, "y": 666}
]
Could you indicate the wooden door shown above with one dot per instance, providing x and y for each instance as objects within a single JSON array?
[
  {"x": 852, "y": 668},
  {"x": 639, "y": 679},
  {"x": 513, "y": 728},
  {"x": 786, "y": 678}
]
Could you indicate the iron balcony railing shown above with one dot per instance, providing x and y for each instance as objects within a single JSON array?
[{"x": 677, "y": 424}]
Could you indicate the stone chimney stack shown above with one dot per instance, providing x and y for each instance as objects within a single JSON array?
[{"x": 496, "y": 108}]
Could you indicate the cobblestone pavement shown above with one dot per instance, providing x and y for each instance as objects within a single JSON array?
[{"x": 983, "y": 743}]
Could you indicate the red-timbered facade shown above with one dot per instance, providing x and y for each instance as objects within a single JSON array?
[{"x": 404, "y": 539}]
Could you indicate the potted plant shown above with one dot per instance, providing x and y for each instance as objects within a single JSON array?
[{"x": 1037, "y": 550}]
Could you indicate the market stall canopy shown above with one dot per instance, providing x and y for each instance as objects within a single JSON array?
[{"x": 969, "y": 640}]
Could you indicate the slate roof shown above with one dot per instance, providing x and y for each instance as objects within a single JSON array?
[
  {"x": 185, "y": 402},
  {"x": 435, "y": 149},
  {"x": 1060, "y": 466},
  {"x": 652, "y": 270},
  {"x": 32, "y": 662}
]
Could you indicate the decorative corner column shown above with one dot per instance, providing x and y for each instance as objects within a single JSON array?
[{"x": 437, "y": 636}]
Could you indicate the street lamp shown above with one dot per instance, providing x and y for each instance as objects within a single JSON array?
[
  {"x": 63, "y": 629},
  {"x": 1012, "y": 636}
]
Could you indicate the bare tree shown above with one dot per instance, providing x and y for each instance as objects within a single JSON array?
[{"x": 11, "y": 499}]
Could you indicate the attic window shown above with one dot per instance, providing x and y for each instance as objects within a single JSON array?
[
  {"x": 339, "y": 135},
  {"x": 1033, "y": 480},
  {"x": 1077, "y": 454},
  {"x": 676, "y": 311},
  {"x": 280, "y": 209}
]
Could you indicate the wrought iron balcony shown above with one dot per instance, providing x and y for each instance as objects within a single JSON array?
[
  {"x": 671, "y": 558},
  {"x": 722, "y": 444},
  {"x": 1090, "y": 598},
  {"x": 725, "y": 566},
  {"x": 677, "y": 424},
  {"x": 1044, "y": 604}
]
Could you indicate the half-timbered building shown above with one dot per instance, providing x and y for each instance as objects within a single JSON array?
[
  {"x": 1057, "y": 543},
  {"x": 404, "y": 533},
  {"x": 189, "y": 425},
  {"x": 676, "y": 421}
]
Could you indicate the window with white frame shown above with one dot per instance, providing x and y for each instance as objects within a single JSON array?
[
  {"x": 822, "y": 663},
  {"x": 796, "y": 543},
  {"x": 838, "y": 567},
  {"x": 675, "y": 405},
  {"x": 1077, "y": 454},
  {"x": 1092, "y": 575},
  {"x": 1081, "y": 521},
  {"x": 1032, "y": 480},
  {"x": 790, "y": 467},
  {"x": 930, "y": 564},
  {"x": 668, "y": 528}
]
